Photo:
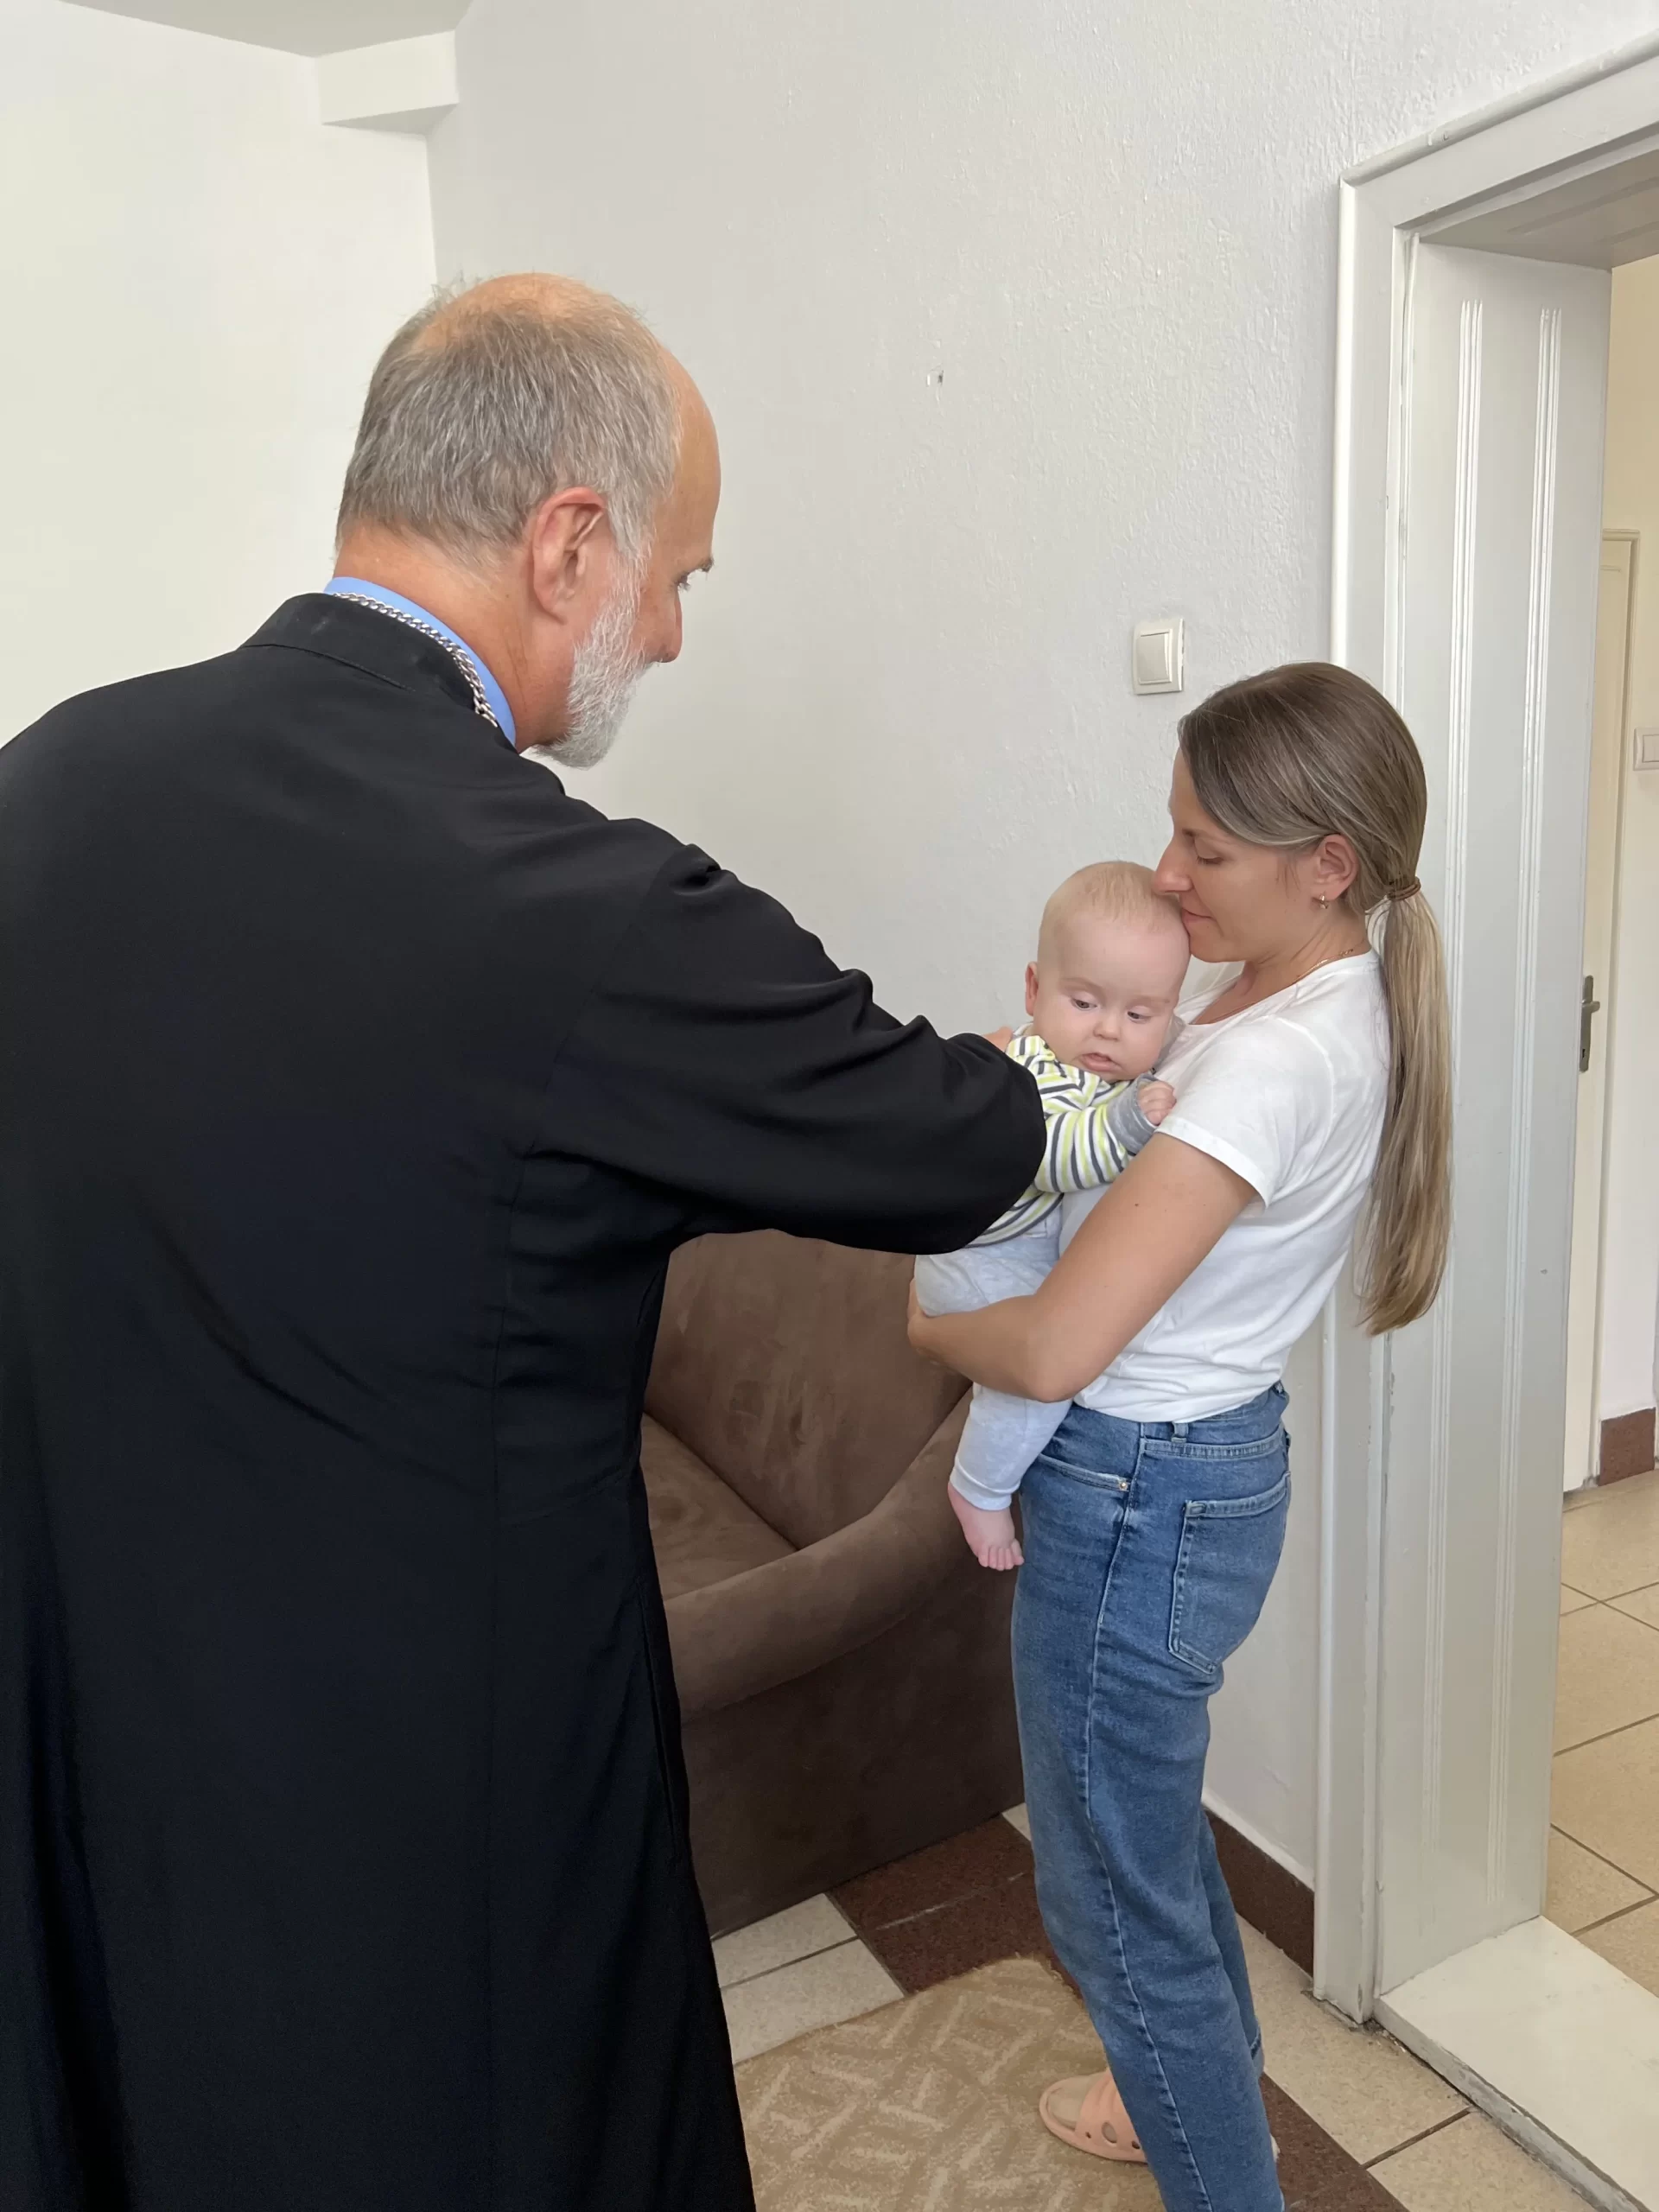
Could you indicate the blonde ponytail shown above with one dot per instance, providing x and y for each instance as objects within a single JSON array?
[
  {"x": 1408, "y": 1225},
  {"x": 1300, "y": 754}
]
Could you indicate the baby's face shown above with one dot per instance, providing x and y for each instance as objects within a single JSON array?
[{"x": 1103, "y": 995}]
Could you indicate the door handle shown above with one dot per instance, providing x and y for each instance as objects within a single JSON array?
[{"x": 1589, "y": 1007}]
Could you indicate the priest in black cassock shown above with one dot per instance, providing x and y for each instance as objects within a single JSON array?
[{"x": 356, "y": 1084}]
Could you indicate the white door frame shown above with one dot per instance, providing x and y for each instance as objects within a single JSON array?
[
  {"x": 1587, "y": 1277},
  {"x": 1594, "y": 117}
]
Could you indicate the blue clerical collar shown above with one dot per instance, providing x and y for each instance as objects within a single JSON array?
[{"x": 395, "y": 603}]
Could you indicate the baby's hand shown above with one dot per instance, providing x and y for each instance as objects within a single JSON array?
[
  {"x": 1154, "y": 1100},
  {"x": 991, "y": 1535}
]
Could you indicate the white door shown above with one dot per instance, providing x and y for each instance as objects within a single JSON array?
[
  {"x": 1499, "y": 473},
  {"x": 1583, "y": 1452}
]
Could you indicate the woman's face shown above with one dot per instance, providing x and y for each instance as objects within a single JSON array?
[{"x": 1240, "y": 901}]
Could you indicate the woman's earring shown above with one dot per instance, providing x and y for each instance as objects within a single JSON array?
[{"x": 1323, "y": 904}]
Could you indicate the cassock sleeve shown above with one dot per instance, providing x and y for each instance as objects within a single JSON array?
[{"x": 724, "y": 1056}]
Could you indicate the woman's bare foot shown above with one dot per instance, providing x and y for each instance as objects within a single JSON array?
[{"x": 991, "y": 1535}]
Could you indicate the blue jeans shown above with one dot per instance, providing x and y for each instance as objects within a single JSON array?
[{"x": 1149, "y": 1549}]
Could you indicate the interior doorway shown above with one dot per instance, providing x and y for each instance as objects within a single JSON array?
[{"x": 1475, "y": 307}]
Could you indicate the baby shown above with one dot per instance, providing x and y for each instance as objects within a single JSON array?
[{"x": 1100, "y": 994}]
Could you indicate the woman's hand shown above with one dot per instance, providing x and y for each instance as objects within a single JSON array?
[
  {"x": 921, "y": 1326},
  {"x": 1000, "y": 1038}
]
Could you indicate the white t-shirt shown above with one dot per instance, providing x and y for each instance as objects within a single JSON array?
[{"x": 1290, "y": 1094}]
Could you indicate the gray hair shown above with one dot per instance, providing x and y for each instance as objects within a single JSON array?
[{"x": 482, "y": 407}]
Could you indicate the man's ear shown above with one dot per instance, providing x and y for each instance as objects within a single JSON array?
[
  {"x": 1031, "y": 987},
  {"x": 565, "y": 537}
]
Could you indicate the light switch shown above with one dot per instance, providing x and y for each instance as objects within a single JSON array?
[
  {"x": 1159, "y": 655},
  {"x": 1647, "y": 748}
]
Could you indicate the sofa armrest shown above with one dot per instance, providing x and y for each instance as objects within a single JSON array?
[{"x": 774, "y": 1624}]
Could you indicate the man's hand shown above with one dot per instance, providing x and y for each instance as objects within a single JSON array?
[
  {"x": 1155, "y": 1100},
  {"x": 991, "y": 1535}
]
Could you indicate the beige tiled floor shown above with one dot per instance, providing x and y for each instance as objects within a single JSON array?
[
  {"x": 1606, "y": 1794},
  {"x": 1611, "y": 1542},
  {"x": 1472, "y": 2168},
  {"x": 1356, "y": 2082},
  {"x": 815, "y": 1992},
  {"x": 784, "y": 1940},
  {"x": 804, "y": 1970},
  {"x": 1631, "y": 1943},
  {"x": 1640, "y": 1604},
  {"x": 1584, "y": 1889},
  {"x": 1609, "y": 1674},
  {"x": 1603, "y": 1861},
  {"x": 1359, "y": 2086}
]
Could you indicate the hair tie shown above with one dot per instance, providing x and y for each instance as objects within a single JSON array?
[{"x": 1401, "y": 891}]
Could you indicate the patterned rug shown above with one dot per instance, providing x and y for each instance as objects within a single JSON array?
[{"x": 931, "y": 2105}]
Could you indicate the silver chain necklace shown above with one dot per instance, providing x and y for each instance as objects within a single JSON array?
[{"x": 462, "y": 659}]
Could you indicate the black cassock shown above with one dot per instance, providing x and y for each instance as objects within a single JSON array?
[{"x": 356, "y": 1084}]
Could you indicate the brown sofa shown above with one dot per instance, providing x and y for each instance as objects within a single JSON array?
[{"x": 841, "y": 1659}]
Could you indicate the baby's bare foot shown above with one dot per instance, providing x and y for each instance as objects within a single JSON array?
[{"x": 991, "y": 1535}]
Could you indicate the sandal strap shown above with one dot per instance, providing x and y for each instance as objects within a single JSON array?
[{"x": 1104, "y": 2116}]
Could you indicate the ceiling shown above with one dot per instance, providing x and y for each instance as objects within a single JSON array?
[
  {"x": 299, "y": 26},
  {"x": 1602, "y": 218}
]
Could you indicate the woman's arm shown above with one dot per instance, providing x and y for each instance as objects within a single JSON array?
[{"x": 1138, "y": 1246}]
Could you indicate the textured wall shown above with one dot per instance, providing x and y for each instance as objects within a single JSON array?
[
  {"x": 198, "y": 276},
  {"x": 1019, "y": 324}
]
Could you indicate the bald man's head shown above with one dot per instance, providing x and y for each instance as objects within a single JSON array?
[
  {"x": 534, "y": 469},
  {"x": 492, "y": 399}
]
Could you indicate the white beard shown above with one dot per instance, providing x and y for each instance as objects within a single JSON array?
[{"x": 604, "y": 675}]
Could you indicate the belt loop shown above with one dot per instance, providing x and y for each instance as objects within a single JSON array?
[{"x": 1177, "y": 1431}]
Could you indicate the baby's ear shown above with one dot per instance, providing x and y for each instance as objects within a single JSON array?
[{"x": 1031, "y": 987}]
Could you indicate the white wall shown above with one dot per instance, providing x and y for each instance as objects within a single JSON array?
[
  {"x": 1630, "y": 1256},
  {"x": 1018, "y": 323},
  {"x": 197, "y": 277}
]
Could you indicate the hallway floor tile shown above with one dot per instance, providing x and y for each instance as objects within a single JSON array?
[
  {"x": 1584, "y": 1889},
  {"x": 1607, "y": 1796},
  {"x": 1609, "y": 1674},
  {"x": 815, "y": 1993},
  {"x": 800, "y": 1933},
  {"x": 1472, "y": 2167},
  {"x": 1611, "y": 1538},
  {"x": 1631, "y": 1943},
  {"x": 1367, "y": 2093},
  {"x": 1640, "y": 1604}
]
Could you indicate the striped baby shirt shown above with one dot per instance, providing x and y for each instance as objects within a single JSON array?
[{"x": 1094, "y": 1129}]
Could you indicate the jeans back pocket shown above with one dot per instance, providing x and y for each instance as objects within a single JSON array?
[{"x": 1229, "y": 1556}]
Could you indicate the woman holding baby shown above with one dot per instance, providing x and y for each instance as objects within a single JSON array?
[{"x": 1311, "y": 1094}]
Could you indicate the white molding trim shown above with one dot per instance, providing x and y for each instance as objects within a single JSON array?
[
  {"x": 1355, "y": 1388},
  {"x": 1520, "y": 1131},
  {"x": 1550, "y": 130},
  {"x": 406, "y": 85}
]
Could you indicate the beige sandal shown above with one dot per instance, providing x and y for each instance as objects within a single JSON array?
[{"x": 1102, "y": 2128}]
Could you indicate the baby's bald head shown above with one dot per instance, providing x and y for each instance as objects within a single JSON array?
[{"x": 1111, "y": 953}]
